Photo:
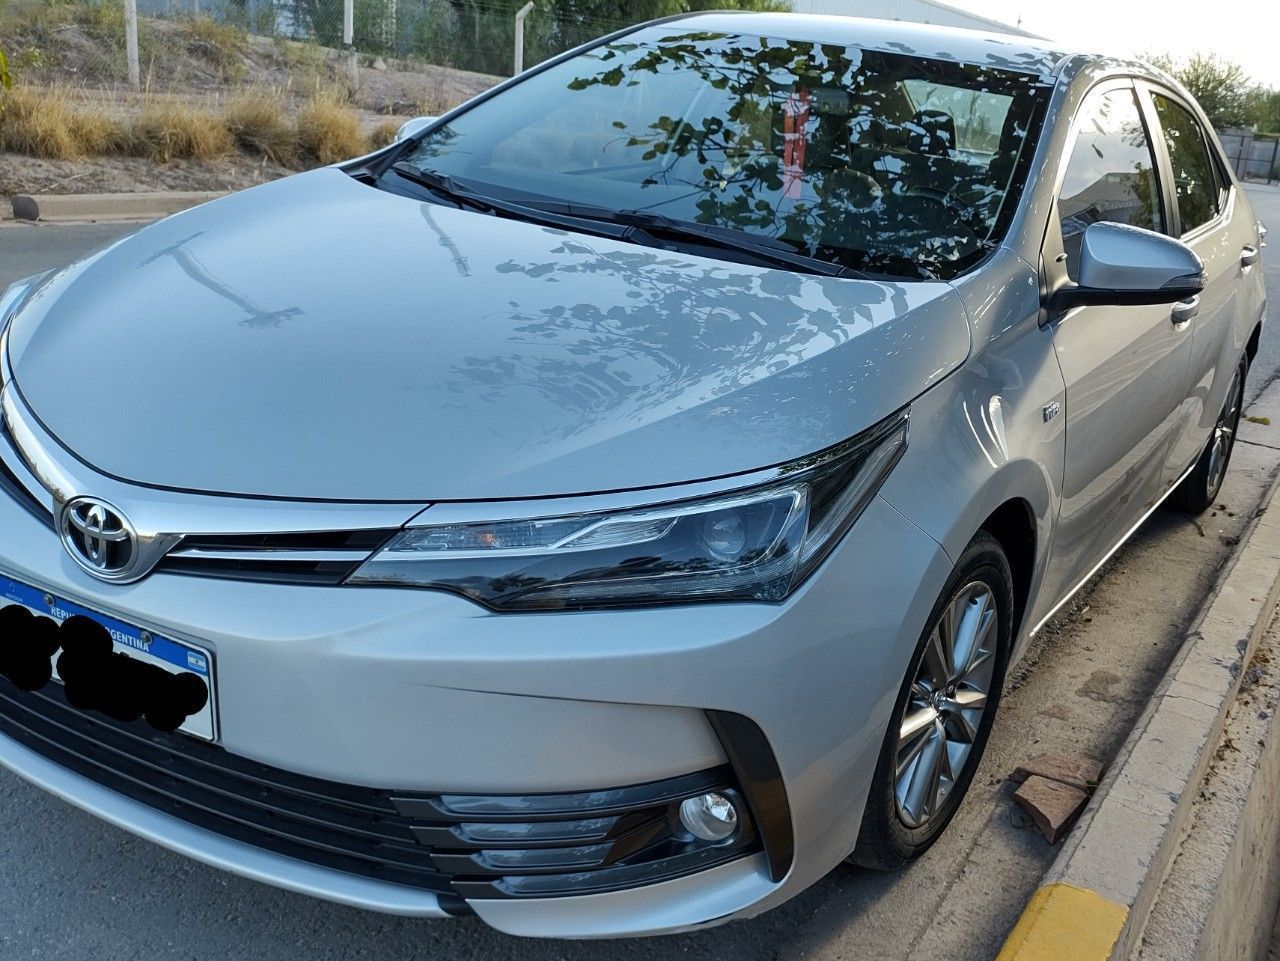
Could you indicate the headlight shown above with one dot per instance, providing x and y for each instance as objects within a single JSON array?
[{"x": 753, "y": 544}]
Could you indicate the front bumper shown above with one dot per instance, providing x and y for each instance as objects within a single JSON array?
[{"x": 414, "y": 691}]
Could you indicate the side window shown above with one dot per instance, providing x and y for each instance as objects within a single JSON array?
[
  {"x": 1193, "y": 179},
  {"x": 1111, "y": 172}
]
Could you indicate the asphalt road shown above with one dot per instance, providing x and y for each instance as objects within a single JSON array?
[{"x": 75, "y": 888}]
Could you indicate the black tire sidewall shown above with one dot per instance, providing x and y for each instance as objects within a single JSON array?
[
  {"x": 1211, "y": 496},
  {"x": 1193, "y": 495}
]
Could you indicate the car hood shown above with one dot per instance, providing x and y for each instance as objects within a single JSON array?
[{"x": 317, "y": 338}]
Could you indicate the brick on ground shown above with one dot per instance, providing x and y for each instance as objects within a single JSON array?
[
  {"x": 1051, "y": 804},
  {"x": 1081, "y": 773}
]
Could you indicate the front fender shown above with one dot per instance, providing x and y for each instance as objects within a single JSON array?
[{"x": 989, "y": 434}]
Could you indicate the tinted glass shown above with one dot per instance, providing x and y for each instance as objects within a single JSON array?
[
  {"x": 879, "y": 161},
  {"x": 1111, "y": 173},
  {"x": 1192, "y": 170}
]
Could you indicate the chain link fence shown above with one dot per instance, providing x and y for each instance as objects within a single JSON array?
[{"x": 475, "y": 35}]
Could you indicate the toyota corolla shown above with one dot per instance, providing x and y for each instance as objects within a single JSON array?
[{"x": 618, "y": 502}]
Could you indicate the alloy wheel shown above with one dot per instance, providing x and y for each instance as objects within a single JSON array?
[{"x": 946, "y": 705}]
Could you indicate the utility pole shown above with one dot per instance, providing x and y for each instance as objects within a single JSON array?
[
  {"x": 519, "y": 48},
  {"x": 131, "y": 41},
  {"x": 348, "y": 40}
]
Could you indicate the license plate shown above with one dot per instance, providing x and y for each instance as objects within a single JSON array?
[{"x": 135, "y": 643}]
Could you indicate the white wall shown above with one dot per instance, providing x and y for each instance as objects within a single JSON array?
[{"x": 916, "y": 11}]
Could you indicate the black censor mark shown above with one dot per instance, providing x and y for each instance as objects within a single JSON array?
[{"x": 95, "y": 677}]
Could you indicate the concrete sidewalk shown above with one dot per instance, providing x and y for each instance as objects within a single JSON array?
[{"x": 1177, "y": 857}]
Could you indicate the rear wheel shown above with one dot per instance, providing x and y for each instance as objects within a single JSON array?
[
  {"x": 944, "y": 712},
  {"x": 1200, "y": 488}
]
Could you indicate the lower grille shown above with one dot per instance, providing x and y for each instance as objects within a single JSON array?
[{"x": 455, "y": 846}]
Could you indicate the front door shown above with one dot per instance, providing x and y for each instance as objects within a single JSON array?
[{"x": 1127, "y": 369}]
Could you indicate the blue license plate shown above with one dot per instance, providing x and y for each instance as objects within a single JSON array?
[{"x": 135, "y": 643}]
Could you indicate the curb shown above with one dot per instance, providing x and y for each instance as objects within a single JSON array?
[
  {"x": 1097, "y": 896},
  {"x": 122, "y": 206}
]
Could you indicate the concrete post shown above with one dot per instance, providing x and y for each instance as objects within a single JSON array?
[
  {"x": 131, "y": 41},
  {"x": 519, "y": 45},
  {"x": 348, "y": 38}
]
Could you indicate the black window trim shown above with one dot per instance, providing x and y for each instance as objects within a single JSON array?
[
  {"x": 1106, "y": 86},
  {"x": 1147, "y": 90},
  {"x": 1053, "y": 271}
]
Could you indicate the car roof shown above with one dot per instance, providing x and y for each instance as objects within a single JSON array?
[{"x": 997, "y": 50}]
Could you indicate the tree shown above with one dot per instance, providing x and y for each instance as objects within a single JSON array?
[
  {"x": 1264, "y": 110},
  {"x": 1222, "y": 87}
]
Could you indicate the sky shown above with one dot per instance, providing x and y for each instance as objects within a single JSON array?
[{"x": 1247, "y": 32}]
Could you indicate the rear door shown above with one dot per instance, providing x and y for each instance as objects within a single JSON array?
[
  {"x": 1126, "y": 369},
  {"x": 1203, "y": 214}
]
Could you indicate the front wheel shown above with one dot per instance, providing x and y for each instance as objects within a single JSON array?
[
  {"x": 944, "y": 711},
  {"x": 1200, "y": 488}
]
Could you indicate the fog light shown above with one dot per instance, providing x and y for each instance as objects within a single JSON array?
[{"x": 709, "y": 817}]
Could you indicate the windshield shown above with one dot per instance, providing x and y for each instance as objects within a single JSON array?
[{"x": 878, "y": 161}]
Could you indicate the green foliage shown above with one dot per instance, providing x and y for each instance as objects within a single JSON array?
[
  {"x": 1222, "y": 87},
  {"x": 6, "y": 80},
  {"x": 1264, "y": 110}
]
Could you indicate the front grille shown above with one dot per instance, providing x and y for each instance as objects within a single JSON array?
[
  {"x": 455, "y": 846},
  {"x": 321, "y": 557}
]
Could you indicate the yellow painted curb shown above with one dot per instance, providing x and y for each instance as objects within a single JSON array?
[{"x": 1065, "y": 923}]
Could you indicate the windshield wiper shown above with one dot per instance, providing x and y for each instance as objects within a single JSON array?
[
  {"x": 465, "y": 196},
  {"x": 778, "y": 252},
  {"x": 625, "y": 224}
]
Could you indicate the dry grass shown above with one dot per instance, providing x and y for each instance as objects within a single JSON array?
[
  {"x": 52, "y": 123},
  {"x": 173, "y": 131},
  {"x": 98, "y": 134},
  {"x": 222, "y": 44},
  {"x": 329, "y": 130},
  {"x": 384, "y": 133},
  {"x": 44, "y": 122},
  {"x": 259, "y": 124}
]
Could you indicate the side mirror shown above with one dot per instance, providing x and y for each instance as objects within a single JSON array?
[
  {"x": 410, "y": 127},
  {"x": 1128, "y": 266}
]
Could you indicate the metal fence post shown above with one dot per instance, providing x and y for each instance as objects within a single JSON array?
[
  {"x": 1274, "y": 169},
  {"x": 131, "y": 41},
  {"x": 519, "y": 44}
]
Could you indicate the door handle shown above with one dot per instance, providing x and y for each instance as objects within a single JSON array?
[
  {"x": 1248, "y": 256},
  {"x": 1184, "y": 310}
]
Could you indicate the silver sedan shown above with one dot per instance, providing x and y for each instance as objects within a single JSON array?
[{"x": 619, "y": 501}]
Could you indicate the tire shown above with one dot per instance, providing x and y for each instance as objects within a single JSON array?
[
  {"x": 896, "y": 830},
  {"x": 1199, "y": 489}
]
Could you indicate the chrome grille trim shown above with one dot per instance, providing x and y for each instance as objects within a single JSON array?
[{"x": 268, "y": 554}]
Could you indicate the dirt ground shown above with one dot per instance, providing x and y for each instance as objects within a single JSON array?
[{"x": 20, "y": 174}]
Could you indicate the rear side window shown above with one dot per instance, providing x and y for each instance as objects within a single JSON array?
[
  {"x": 1193, "y": 179},
  {"x": 1111, "y": 173}
]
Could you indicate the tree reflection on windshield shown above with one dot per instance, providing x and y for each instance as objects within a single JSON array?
[{"x": 888, "y": 162}]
